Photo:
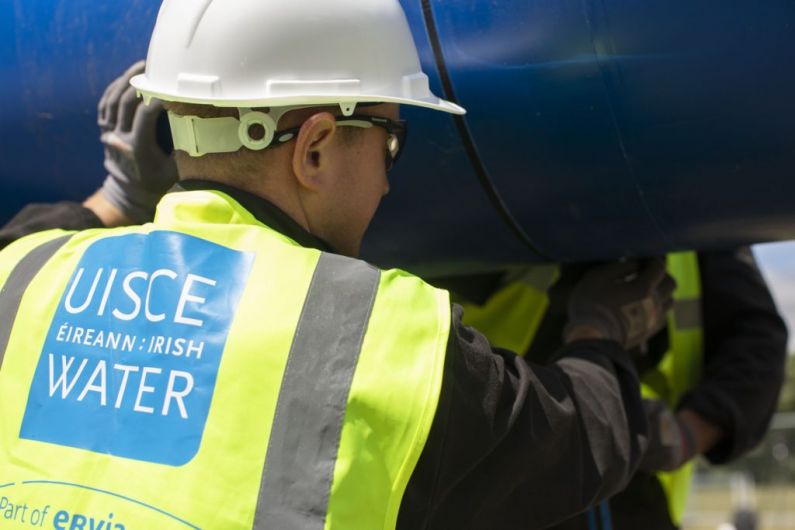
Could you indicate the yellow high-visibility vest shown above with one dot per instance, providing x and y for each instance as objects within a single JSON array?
[
  {"x": 681, "y": 367},
  {"x": 205, "y": 371},
  {"x": 511, "y": 317}
]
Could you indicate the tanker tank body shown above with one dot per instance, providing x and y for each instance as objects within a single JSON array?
[{"x": 596, "y": 128}]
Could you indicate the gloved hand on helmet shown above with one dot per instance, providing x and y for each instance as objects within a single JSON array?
[
  {"x": 671, "y": 442},
  {"x": 139, "y": 172},
  {"x": 624, "y": 301}
]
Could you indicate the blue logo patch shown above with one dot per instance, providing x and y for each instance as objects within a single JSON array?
[{"x": 132, "y": 355}]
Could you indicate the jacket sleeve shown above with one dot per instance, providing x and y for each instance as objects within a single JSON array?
[
  {"x": 518, "y": 446},
  {"x": 745, "y": 343},
  {"x": 38, "y": 217}
]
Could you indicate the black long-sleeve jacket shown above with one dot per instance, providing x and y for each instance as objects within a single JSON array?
[
  {"x": 745, "y": 343},
  {"x": 513, "y": 445}
]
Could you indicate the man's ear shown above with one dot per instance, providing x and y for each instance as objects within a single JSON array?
[{"x": 312, "y": 149}]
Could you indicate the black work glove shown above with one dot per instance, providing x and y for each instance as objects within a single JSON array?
[
  {"x": 139, "y": 172},
  {"x": 625, "y": 301},
  {"x": 671, "y": 443}
]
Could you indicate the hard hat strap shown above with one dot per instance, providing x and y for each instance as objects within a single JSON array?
[{"x": 200, "y": 136}]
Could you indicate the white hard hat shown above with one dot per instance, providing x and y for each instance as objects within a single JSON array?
[{"x": 278, "y": 53}]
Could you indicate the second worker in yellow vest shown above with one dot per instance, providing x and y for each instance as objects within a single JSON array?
[{"x": 725, "y": 388}]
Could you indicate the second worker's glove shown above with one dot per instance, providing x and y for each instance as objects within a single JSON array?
[
  {"x": 139, "y": 172},
  {"x": 671, "y": 443},
  {"x": 623, "y": 301}
]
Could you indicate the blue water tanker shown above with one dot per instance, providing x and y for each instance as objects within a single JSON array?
[{"x": 596, "y": 128}]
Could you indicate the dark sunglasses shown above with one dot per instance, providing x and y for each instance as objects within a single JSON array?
[{"x": 396, "y": 140}]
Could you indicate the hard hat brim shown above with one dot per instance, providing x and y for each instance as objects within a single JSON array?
[{"x": 142, "y": 84}]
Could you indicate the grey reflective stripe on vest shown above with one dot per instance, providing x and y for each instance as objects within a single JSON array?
[
  {"x": 302, "y": 451},
  {"x": 18, "y": 281},
  {"x": 687, "y": 313}
]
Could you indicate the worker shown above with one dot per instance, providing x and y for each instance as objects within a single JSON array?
[
  {"x": 711, "y": 379},
  {"x": 231, "y": 365}
]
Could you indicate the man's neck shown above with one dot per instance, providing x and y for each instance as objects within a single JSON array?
[{"x": 263, "y": 209}]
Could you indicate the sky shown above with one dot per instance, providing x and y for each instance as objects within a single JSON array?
[{"x": 777, "y": 261}]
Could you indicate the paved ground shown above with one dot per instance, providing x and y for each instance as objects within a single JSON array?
[{"x": 710, "y": 506}]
